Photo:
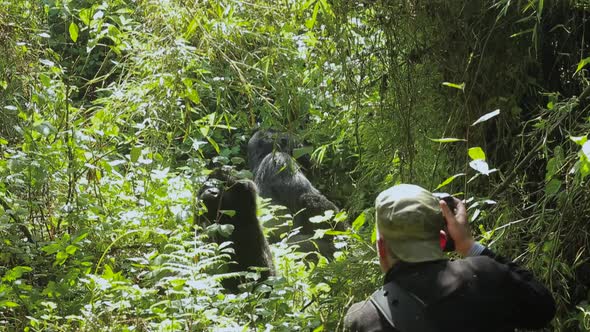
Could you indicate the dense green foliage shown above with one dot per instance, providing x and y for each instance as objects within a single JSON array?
[{"x": 114, "y": 111}]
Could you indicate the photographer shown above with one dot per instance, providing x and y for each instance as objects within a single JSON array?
[{"x": 424, "y": 291}]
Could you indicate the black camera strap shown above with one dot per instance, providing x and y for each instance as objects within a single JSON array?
[{"x": 402, "y": 309}]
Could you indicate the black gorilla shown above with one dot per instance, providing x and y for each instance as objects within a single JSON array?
[
  {"x": 264, "y": 142},
  {"x": 223, "y": 193},
  {"x": 278, "y": 176}
]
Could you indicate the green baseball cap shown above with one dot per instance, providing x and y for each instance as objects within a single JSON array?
[{"x": 409, "y": 218}]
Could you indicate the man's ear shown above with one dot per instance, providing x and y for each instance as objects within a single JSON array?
[
  {"x": 381, "y": 247},
  {"x": 442, "y": 239}
]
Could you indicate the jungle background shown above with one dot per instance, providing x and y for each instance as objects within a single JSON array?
[{"x": 113, "y": 111}]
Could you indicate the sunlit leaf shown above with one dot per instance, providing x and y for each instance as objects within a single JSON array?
[
  {"x": 475, "y": 215},
  {"x": 481, "y": 166},
  {"x": 16, "y": 272},
  {"x": 74, "y": 30},
  {"x": 476, "y": 153},
  {"x": 70, "y": 250},
  {"x": 359, "y": 221},
  {"x": 581, "y": 64},
  {"x": 60, "y": 258},
  {"x": 455, "y": 85},
  {"x": 447, "y": 140},
  {"x": 580, "y": 140},
  {"x": 86, "y": 15},
  {"x": 8, "y": 304},
  {"x": 47, "y": 63},
  {"x": 45, "y": 80},
  {"x": 486, "y": 117},
  {"x": 449, "y": 180}
]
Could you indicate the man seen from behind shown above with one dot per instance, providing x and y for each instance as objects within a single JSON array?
[{"x": 424, "y": 291}]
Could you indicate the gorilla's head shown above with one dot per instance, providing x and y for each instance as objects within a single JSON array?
[
  {"x": 264, "y": 142},
  {"x": 227, "y": 198}
]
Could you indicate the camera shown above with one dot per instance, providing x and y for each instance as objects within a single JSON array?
[{"x": 450, "y": 200}]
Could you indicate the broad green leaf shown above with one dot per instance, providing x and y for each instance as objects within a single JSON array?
[
  {"x": 552, "y": 187},
  {"x": 447, "y": 140},
  {"x": 71, "y": 249},
  {"x": 319, "y": 233},
  {"x": 45, "y": 80},
  {"x": 374, "y": 235},
  {"x": 321, "y": 328},
  {"x": 486, "y": 117},
  {"x": 230, "y": 213},
  {"x": 60, "y": 258},
  {"x": 580, "y": 140},
  {"x": 359, "y": 221},
  {"x": 135, "y": 153},
  {"x": 317, "y": 219},
  {"x": 74, "y": 30},
  {"x": 552, "y": 168},
  {"x": 302, "y": 151},
  {"x": 193, "y": 95},
  {"x": 449, "y": 180},
  {"x": 86, "y": 15},
  {"x": 455, "y": 85},
  {"x": 51, "y": 248},
  {"x": 341, "y": 216},
  {"x": 226, "y": 229},
  {"x": 476, "y": 153},
  {"x": 8, "y": 304},
  {"x": 238, "y": 161},
  {"x": 581, "y": 64},
  {"x": 3, "y": 141},
  {"x": 16, "y": 272}
]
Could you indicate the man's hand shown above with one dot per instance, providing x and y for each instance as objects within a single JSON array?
[{"x": 458, "y": 226}]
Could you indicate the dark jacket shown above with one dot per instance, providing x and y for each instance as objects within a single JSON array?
[{"x": 481, "y": 293}]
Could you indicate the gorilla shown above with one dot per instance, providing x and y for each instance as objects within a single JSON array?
[
  {"x": 230, "y": 201},
  {"x": 279, "y": 177},
  {"x": 264, "y": 142}
]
